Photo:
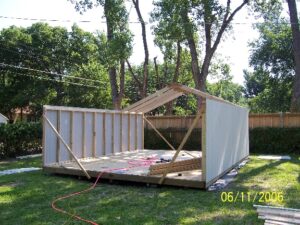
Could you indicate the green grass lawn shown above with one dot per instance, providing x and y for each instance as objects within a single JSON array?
[{"x": 26, "y": 198}]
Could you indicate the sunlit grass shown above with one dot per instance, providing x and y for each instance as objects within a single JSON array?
[{"x": 26, "y": 198}]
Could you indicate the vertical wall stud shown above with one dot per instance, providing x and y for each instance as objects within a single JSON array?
[
  {"x": 71, "y": 133},
  {"x": 94, "y": 134},
  {"x": 135, "y": 133},
  {"x": 103, "y": 134},
  {"x": 128, "y": 116},
  {"x": 83, "y": 136},
  {"x": 112, "y": 132},
  {"x": 57, "y": 140},
  {"x": 121, "y": 129}
]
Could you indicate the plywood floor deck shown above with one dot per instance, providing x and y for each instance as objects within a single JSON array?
[{"x": 119, "y": 167}]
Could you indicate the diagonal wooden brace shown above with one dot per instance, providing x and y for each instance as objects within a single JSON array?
[
  {"x": 198, "y": 116},
  {"x": 68, "y": 148}
]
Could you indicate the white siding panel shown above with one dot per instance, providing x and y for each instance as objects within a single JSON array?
[
  {"x": 50, "y": 139},
  {"x": 227, "y": 138}
]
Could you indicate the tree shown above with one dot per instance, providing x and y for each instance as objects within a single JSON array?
[
  {"x": 118, "y": 42},
  {"x": 48, "y": 51},
  {"x": 295, "y": 102},
  {"x": 271, "y": 10},
  {"x": 142, "y": 85},
  {"x": 207, "y": 16},
  {"x": 269, "y": 87},
  {"x": 266, "y": 93},
  {"x": 225, "y": 87}
]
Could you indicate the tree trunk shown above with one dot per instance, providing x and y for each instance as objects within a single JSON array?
[
  {"x": 158, "y": 84},
  {"x": 146, "y": 61},
  {"x": 169, "y": 105},
  {"x": 295, "y": 102},
  {"x": 112, "y": 71}
]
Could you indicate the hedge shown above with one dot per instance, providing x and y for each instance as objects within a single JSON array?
[
  {"x": 262, "y": 140},
  {"x": 26, "y": 138},
  {"x": 20, "y": 139}
]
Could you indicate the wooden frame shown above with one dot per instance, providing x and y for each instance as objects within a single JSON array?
[{"x": 121, "y": 131}]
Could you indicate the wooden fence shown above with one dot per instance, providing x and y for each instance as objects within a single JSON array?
[{"x": 255, "y": 120}]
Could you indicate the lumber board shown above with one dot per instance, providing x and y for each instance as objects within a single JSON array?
[
  {"x": 68, "y": 148},
  {"x": 181, "y": 145},
  {"x": 183, "y": 165},
  {"x": 129, "y": 108}
]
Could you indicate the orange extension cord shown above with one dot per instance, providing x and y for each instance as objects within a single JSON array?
[{"x": 133, "y": 163}]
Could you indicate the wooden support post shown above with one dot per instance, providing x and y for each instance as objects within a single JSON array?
[
  {"x": 128, "y": 142},
  {"x": 94, "y": 134},
  {"x": 121, "y": 129},
  {"x": 67, "y": 147},
  {"x": 203, "y": 140},
  {"x": 135, "y": 133},
  {"x": 71, "y": 132},
  {"x": 181, "y": 146},
  {"x": 103, "y": 134},
  {"x": 57, "y": 140},
  {"x": 112, "y": 133},
  {"x": 44, "y": 138},
  {"x": 143, "y": 131},
  {"x": 83, "y": 136}
]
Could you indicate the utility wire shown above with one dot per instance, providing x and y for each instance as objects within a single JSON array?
[
  {"x": 135, "y": 22},
  {"x": 50, "y": 73},
  {"x": 56, "y": 20},
  {"x": 59, "y": 81}
]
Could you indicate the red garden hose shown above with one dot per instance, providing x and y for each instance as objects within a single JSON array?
[{"x": 132, "y": 164}]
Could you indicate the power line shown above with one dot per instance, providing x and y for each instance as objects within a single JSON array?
[
  {"x": 50, "y": 73},
  {"x": 133, "y": 22},
  {"x": 59, "y": 81},
  {"x": 56, "y": 20}
]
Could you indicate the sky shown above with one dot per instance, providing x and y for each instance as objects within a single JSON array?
[{"x": 234, "y": 49}]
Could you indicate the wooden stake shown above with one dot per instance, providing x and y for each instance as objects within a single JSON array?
[
  {"x": 181, "y": 145},
  {"x": 68, "y": 148}
]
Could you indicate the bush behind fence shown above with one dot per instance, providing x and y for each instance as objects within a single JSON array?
[
  {"x": 263, "y": 140},
  {"x": 20, "y": 139}
]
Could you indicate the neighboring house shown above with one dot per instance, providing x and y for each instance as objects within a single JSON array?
[
  {"x": 3, "y": 119},
  {"x": 21, "y": 114}
]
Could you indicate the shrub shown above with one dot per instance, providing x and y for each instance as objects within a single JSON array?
[
  {"x": 262, "y": 140},
  {"x": 20, "y": 139},
  {"x": 275, "y": 140}
]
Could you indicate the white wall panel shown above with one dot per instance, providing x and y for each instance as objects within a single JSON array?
[
  {"x": 49, "y": 150},
  {"x": 65, "y": 133},
  {"x": 99, "y": 135},
  {"x": 108, "y": 134},
  {"x": 132, "y": 132},
  {"x": 77, "y": 134},
  {"x": 125, "y": 132},
  {"x": 112, "y": 134},
  {"x": 140, "y": 131},
  {"x": 227, "y": 137},
  {"x": 117, "y": 133},
  {"x": 88, "y": 134}
]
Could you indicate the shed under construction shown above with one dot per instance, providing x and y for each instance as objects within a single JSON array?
[{"x": 81, "y": 141}]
